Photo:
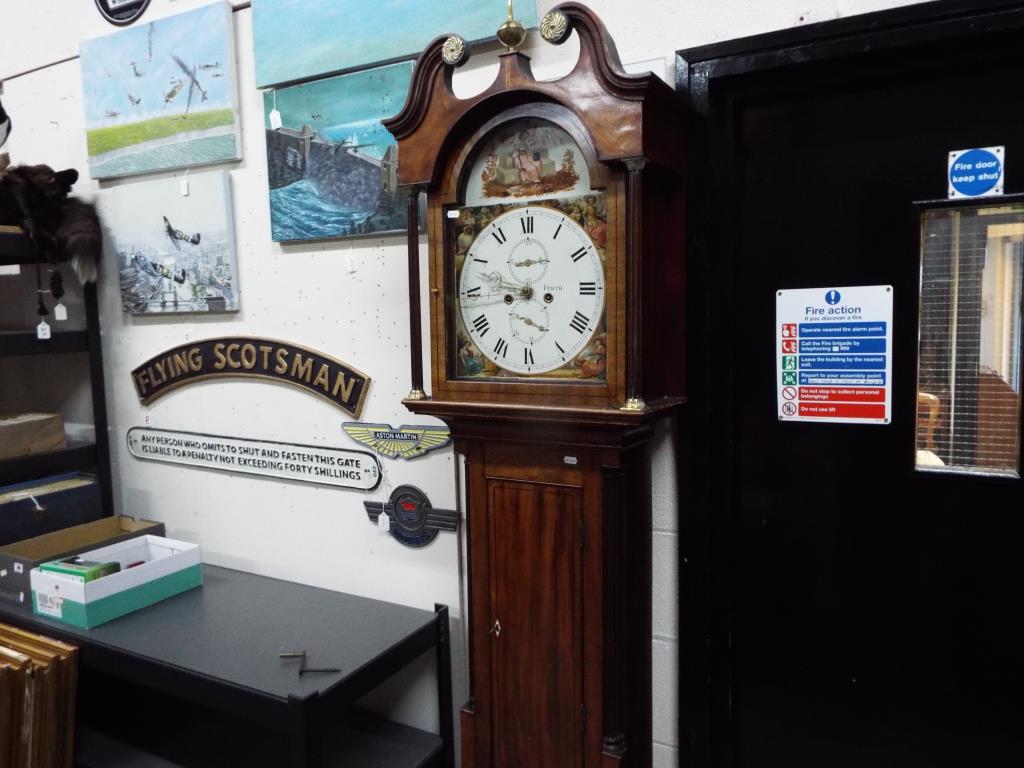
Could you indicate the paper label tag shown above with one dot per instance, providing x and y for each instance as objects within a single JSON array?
[
  {"x": 275, "y": 119},
  {"x": 49, "y": 606},
  {"x": 384, "y": 523},
  {"x": 60, "y": 312},
  {"x": 43, "y": 331}
]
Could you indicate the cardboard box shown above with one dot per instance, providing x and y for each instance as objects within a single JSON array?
[
  {"x": 26, "y": 433},
  {"x": 17, "y": 560},
  {"x": 48, "y": 504},
  {"x": 169, "y": 567}
]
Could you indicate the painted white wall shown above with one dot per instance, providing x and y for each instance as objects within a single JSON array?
[{"x": 306, "y": 294}]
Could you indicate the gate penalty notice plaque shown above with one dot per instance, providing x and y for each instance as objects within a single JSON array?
[
  {"x": 339, "y": 467},
  {"x": 833, "y": 354}
]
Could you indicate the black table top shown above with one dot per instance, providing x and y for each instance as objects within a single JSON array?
[{"x": 232, "y": 629}]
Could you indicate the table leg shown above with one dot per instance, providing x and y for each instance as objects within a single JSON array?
[
  {"x": 444, "y": 686},
  {"x": 304, "y": 748}
]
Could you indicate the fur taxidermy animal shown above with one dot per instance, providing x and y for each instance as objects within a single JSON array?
[{"x": 35, "y": 197}]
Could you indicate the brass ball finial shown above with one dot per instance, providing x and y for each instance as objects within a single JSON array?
[
  {"x": 554, "y": 27},
  {"x": 511, "y": 34},
  {"x": 455, "y": 51}
]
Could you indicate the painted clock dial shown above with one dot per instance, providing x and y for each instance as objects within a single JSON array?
[{"x": 531, "y": 294}]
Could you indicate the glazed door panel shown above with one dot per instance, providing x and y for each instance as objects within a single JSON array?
[{"x": 535, "y": 595}]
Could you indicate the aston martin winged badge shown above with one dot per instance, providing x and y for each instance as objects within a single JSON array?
[
  {"x": 411, "y": 519},
  {"x": 409, "y": 441}
]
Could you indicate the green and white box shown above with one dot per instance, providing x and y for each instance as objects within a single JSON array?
[{"x": 168, "y": 568}]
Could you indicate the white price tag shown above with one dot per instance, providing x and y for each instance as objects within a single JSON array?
[
  {"x": 49, "y": 606},
  {"x": 60, "y": 313},
  {"x": 42, "y": 330},
  {"x": 384, "y": 523}
]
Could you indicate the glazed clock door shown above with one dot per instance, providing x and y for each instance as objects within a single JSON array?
[
  {"x": 536, "y": 664},
  {"x": 529, "y": 248}
]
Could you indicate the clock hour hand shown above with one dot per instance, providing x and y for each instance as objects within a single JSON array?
[
  {"x": 529, "y": 321},
  {"x": 530, "y": 262},
  {"x": 494, "y": 298}
]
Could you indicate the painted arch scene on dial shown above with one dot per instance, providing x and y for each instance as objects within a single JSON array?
[{"x": 527, "y": 159}]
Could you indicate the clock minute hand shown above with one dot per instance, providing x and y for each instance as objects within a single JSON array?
[{"x": 495, "y": 280}]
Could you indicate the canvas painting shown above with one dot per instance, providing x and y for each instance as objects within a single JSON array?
[
  {"x": 298, "y": 40},
  {"x": 162, "y": 95},
  {"x": 175, "y": 244},
  {"x": 332, "y": 166}
]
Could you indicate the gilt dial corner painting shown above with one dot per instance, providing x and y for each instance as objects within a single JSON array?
[{"x": 529, "y": 258}]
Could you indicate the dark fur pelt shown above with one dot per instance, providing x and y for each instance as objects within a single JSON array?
[{"x": 62, "y": 228}]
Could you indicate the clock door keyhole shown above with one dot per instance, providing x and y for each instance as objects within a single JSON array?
[{"x": 495, "y": 629}]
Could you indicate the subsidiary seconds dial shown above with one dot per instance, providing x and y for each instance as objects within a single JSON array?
[{"x": 531, "y": 291}]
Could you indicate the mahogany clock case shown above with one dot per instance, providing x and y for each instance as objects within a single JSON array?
[{"x": 557, "y": 477}]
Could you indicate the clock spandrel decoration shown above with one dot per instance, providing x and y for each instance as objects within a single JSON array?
[{"x": 555, "y": 221}]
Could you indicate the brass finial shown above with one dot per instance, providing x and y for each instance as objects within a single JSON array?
[{"x": 511, "y": 33}]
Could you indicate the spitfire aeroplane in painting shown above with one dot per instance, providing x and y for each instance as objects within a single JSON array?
[{"x": 175, "y": 252}]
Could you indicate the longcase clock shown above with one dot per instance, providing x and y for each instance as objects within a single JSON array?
[{"x": 556, "y": 280}]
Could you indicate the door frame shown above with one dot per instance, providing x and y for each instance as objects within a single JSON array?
[{"x": 714, "y": 80}]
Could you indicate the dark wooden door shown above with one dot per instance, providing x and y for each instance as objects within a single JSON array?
[
  {"x": 867, "y": 610},
  {"x": 535, "y": 596}
]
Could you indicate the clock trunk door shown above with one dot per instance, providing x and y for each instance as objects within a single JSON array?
[{"x": 536, "y": 664}]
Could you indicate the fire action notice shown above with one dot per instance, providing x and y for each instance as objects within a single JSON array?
[{"x": 834, "y": 354}]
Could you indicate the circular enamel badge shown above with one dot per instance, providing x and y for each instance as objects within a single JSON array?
[{"x": 122, "y": 12}]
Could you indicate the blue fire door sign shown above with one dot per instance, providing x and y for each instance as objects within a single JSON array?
[
  {"x": 976, "y": 172},
  {"x": 834, "y": 353}
]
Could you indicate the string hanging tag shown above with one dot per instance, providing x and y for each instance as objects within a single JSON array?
[
  {"x": 60, "y": 312},
  {"x": 43, "y": 329}
]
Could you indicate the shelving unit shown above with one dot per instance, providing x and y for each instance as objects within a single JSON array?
[
  {"x": 196, "y": 681},
  {"x": 16, "y": 248}
]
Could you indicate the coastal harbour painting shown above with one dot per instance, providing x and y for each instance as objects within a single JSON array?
[
  {"x": 332, "y": 166},
  {"x": 175, "y": 251},
  {"x": 162, "y": 95},
  {"x": 297, "y": 40}
]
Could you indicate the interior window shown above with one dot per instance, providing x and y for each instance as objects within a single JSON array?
[{"x": 969, "y": 345}]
